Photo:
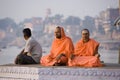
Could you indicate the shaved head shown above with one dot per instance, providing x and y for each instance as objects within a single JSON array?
[{"x": 85, "y": 35}]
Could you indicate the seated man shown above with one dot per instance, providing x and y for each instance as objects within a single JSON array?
[
  {"x": 61, "y": 49},
  {"x": 86, "y": 52},
  {"x": 32, "y": 52}
]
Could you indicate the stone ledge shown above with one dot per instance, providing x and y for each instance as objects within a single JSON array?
[
  {"x": 80, "y": 72},
  {"x": 58, "y": 73}
]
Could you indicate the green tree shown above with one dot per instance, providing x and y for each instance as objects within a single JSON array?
[{"x": 71, "y": 20}]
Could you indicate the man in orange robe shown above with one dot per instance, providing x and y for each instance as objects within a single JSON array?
[
  {"x": 86, "y": 52},
  {"x": 62, "y": 48}
]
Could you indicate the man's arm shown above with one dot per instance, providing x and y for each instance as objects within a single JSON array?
[
  {"x": 96, "y": 52},
  {"x": 22, "y": 51}
]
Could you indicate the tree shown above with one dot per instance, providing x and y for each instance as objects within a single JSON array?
[
  {"x": 88, "y": 23},
  {"x": 71, "y": 20},
  {"x": 57, "y": 19},
  {"x": 7, "y": 22}
]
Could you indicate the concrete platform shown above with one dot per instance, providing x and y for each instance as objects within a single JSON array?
[{"x": 37, "y": 72}]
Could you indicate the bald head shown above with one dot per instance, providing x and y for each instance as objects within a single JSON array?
[{"x": 85, "y": 35}]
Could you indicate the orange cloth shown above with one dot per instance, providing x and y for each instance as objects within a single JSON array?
[
  {"x": 85, "y": 54},
  {"x": 63, "y": 45}
]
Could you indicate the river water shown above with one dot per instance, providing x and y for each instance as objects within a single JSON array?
[{"x": 7, "y": 55}]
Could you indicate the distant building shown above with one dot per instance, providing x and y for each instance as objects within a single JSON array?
[
  {"x": 98, "y": 25},
  {"x": 28, "y": 25},
  {"x": 2, "y": 34},
  {"x": 49, "y": 28},
  {"x": 117, "y": 23},
  {"x": 106, "y": 20}
]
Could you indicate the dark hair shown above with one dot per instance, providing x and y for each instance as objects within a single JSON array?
[
  {"x": 58, "y": 27},
  {"x": 85, "y": 30},
  {"x": 27, "y": 32}
]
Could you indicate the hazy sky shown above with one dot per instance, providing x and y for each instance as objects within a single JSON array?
[{"x": 21, "y": 9}]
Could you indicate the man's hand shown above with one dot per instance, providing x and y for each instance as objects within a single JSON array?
[
  {"x": 97, "y": 55},
  {"x": 59, "y": 56},
  {"x": 25, "y": 53},
  {"x": 72, "y": 56}
]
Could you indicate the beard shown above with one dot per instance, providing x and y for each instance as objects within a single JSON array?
[{"x": 58, "y": 36}]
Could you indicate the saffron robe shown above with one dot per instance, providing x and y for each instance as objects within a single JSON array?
[
  {"x": 63, "y": 45},
  {"x": 85, "y": 54}
]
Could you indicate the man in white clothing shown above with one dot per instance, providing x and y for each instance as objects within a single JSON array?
[{"x": 32, "y": 52}]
